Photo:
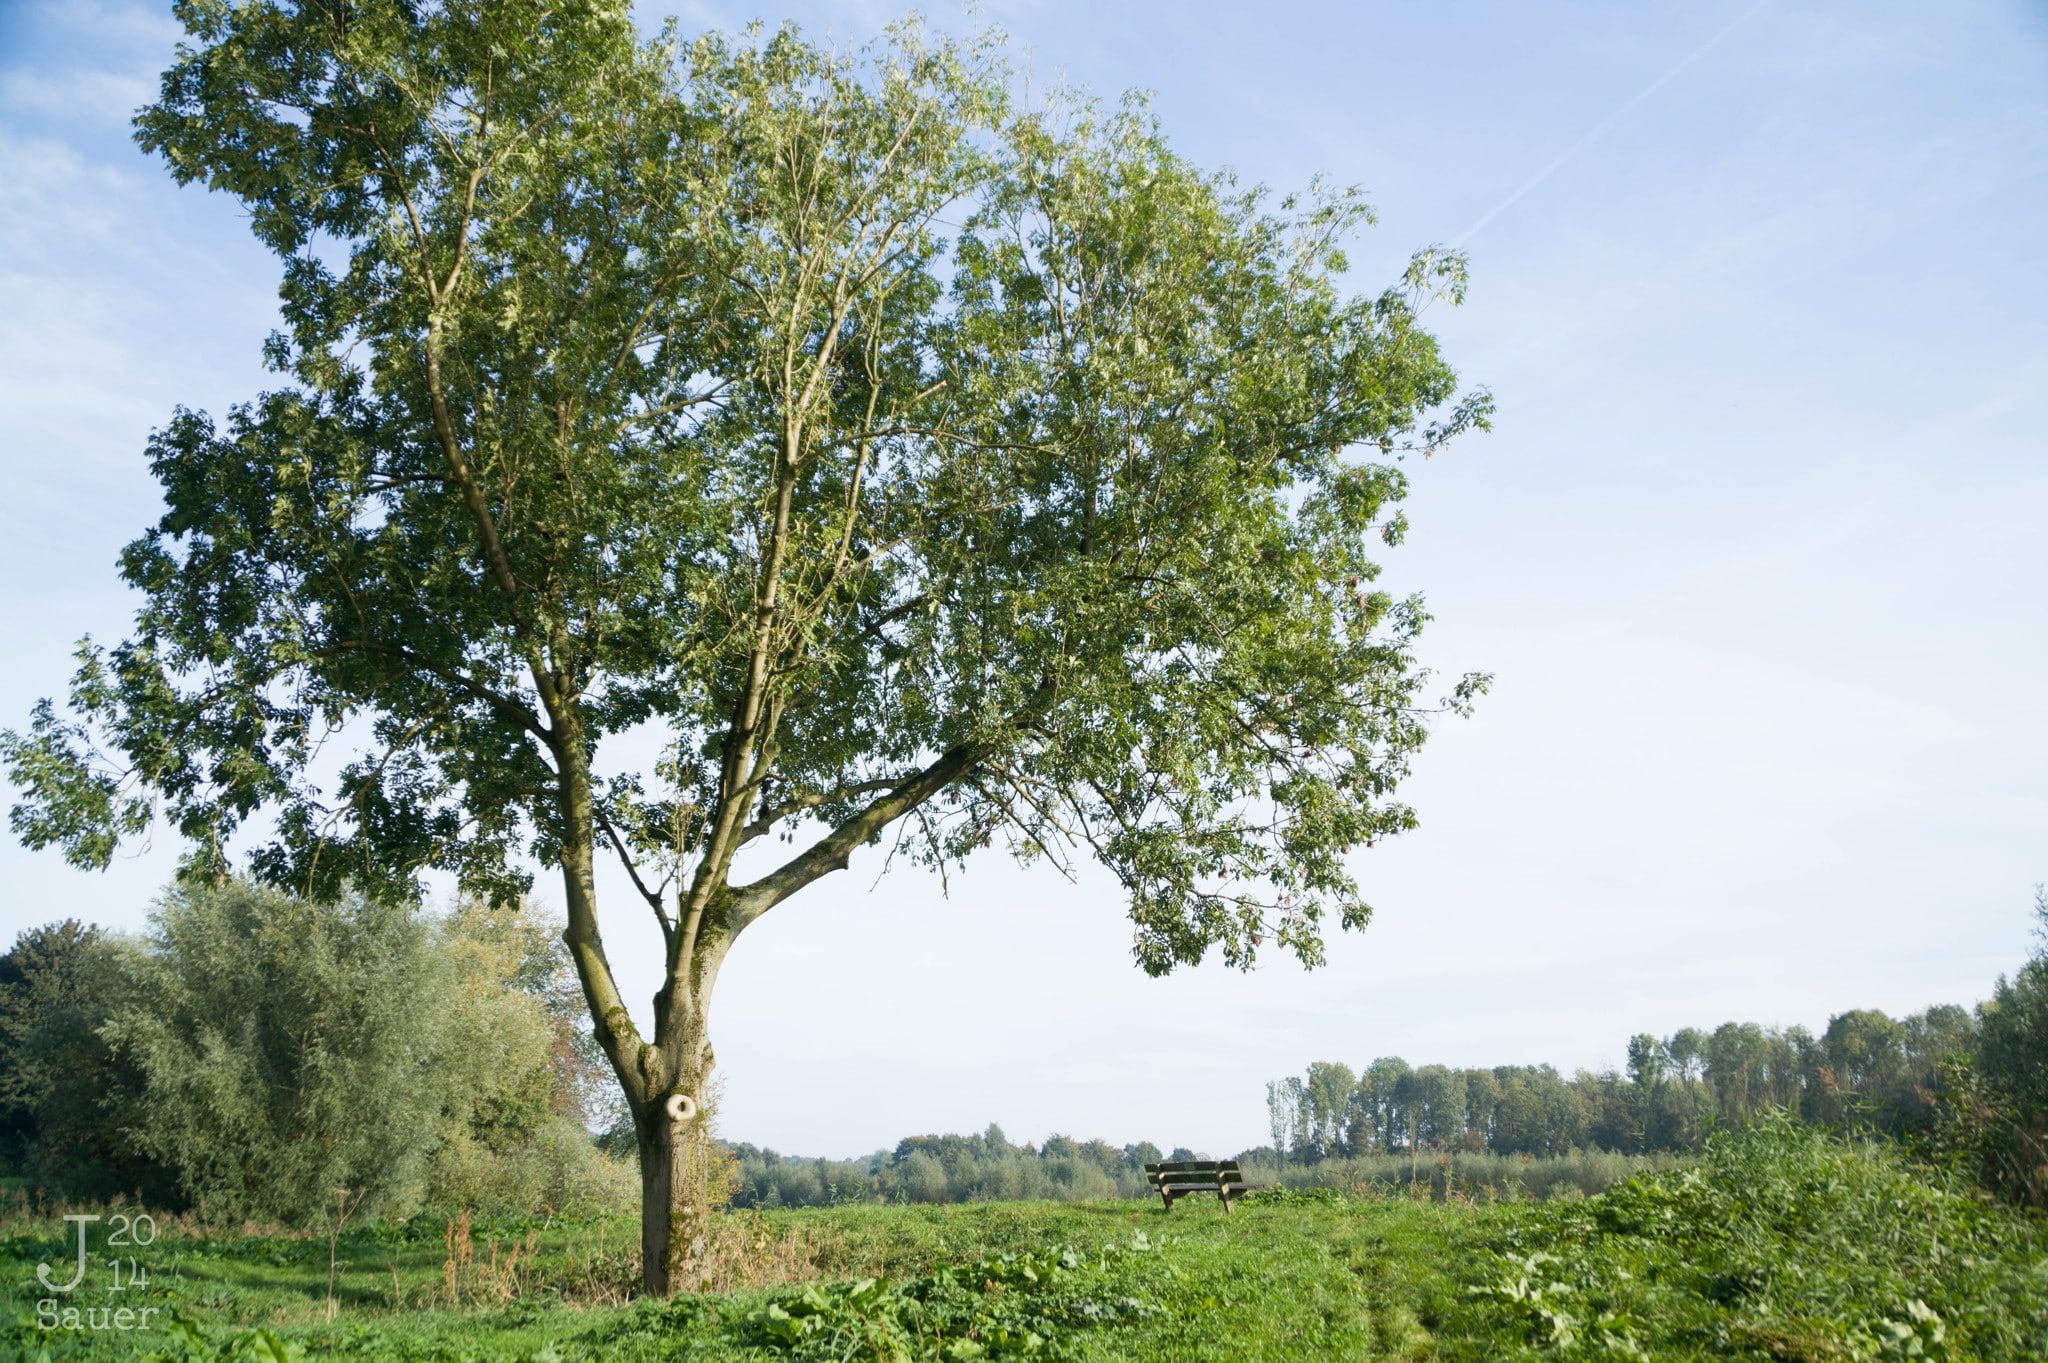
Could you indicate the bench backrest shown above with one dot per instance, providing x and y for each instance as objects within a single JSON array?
[{"x": 1195, "y": 1173}]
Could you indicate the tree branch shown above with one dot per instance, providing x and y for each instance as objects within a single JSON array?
[
  {"x": 653, "y": 897},
  {"x": 830, "y": 853},
  {"x": 497, "y": 700},
  {"x": 777, "y": 813}
]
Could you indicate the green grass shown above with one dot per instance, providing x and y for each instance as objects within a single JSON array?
[
  {"x": 1088, "y": 1281},
  {"x": 1780, "y": 1246}
]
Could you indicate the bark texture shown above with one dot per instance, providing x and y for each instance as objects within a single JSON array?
[{"x": 675, "y": 1188}]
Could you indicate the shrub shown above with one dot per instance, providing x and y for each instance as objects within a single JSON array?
[
  {"x": 289, "y": 1050},
  {"x": 1786, "y": 1242}
]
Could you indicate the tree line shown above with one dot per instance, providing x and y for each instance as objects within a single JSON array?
[
  {"x": 1969, "y": 1082},
  {"x": 949, "y": 1168},
  {"x": 262, "y": 1057},
  {"x": 1672, "y": 1092}
]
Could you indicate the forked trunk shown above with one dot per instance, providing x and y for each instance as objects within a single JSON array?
[{"x": 665, "y": 1083}]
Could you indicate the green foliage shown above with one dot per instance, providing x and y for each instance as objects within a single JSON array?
[
  {"x": 186, "y": 1343},
  {"x": 1868, "y": 1071},
  {"x": 515, "y": 1074},
  {"x": 1083, "y": 1282},
  {"x": 290, "y": 1049},
  {"x": 2010, "y": 1116},
  {"x": 1787, "y": 1242},
  {"x": 889, "y": 452},
  {"x": 1464, "y": 1173},
  {"x": 946, "y": 1168},
  {"x": 259, "y": 1052},
  {"x": 1017, "y": 1305},
  {"x": 880, "y": 452},
  {"x": 67, "y": 1096},
  {"x": 1782, "y": 1244},
  {"x": 1283, "y": 1196}
]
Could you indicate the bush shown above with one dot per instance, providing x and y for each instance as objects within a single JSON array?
[
  {"x": 289, "y": 1050},
  {"x": 1293, "y": 1197},
  {"x": 258, "y": 1053},
  {"x": 553, "y": 1169},
  {"x": 1786, "y": 1242}
]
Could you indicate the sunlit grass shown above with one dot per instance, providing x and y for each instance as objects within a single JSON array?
[{"x": 1782, "y": 1244}]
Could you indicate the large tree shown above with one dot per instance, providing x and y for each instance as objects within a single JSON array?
[{"x": 687, "y": 452}]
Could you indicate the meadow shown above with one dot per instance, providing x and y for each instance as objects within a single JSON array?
[{"x": 1782, "y": 1243}]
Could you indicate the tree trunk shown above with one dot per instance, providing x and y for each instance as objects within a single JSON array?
[{"x": 675, "y": 1188}]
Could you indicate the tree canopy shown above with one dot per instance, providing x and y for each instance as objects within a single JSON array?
[{"x": 879, "y": 453}]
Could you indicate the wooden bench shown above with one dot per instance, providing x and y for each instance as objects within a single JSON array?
[{"x": 1178, "y": 1178}]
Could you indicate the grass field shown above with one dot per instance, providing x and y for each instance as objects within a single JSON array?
[{"x": 1781, "y": 1246}]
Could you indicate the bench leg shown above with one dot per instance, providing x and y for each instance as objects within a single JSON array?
[{"x": 1226, "y": 1199}]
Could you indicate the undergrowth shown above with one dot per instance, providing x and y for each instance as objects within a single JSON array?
[{"x": 1785, "y": 1243}]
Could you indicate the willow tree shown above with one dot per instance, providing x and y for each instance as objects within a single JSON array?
[{"x": 722, "y": 455}]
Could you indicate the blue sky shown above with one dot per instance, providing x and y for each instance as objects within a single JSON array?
[{"x": 1756, "y": 548}]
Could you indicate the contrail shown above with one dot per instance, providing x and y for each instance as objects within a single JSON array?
[{"x": 1604, "y": 124}]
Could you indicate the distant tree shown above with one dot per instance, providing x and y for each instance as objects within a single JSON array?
[
  {"x": 2012, "y": 1064},
  {"x": 1735, "y": 1068},
  {"x": 1568, "y": 1115},
  {"x": 1616, "y": 1109},
  {"x": 1942, "y": 1030},
  {"x": 1646, "y": 1061},
  {"x": 1482, "y": 1103},
  {"x": 1538, "y": 1112},
  {"x": 1807, "y": 1062},
  {"x": 1909, "y": 1103},
  {"x": 1687, "y": 1049},
  {"x": 629, "y": 387},
  {"x": 1326, "y": 1091},
  {"x": 1440, "y": 1095},
  {"x": 1376, "y": 1114},
  {"x": 1520, "y": 1122},
  {"x": 1285, "y": 1117},
  {"x": 1882, "y": 1072},
  {"x": 1865, "y": 1052},
  {"x": 1784, "y": 1076},
  {"x": 1648, "y": 1064},
  {"x": 923, "y": 1178}
]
